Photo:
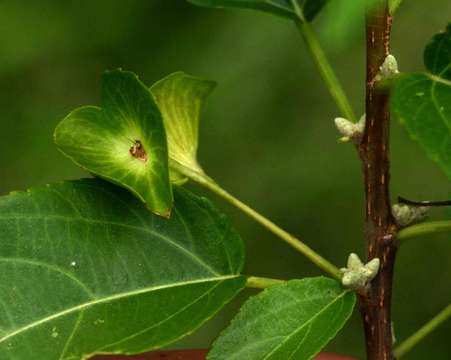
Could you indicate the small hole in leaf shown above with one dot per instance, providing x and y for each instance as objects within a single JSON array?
[{"x": 138, "y": 152}]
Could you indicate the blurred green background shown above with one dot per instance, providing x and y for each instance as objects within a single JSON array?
[{"x": 267, "y": 133}]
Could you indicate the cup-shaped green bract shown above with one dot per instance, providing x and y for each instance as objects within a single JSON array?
[
  {"x": 123, "y": 141},
  {"x": 180, "y": 98}
]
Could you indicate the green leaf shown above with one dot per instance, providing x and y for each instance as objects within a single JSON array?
[
  {"x": 290, "y": 321},
  {"x": 85, "y": 268},
  {"x": 180, "y": 98},
  {"x": 422, "y": 101},
  {"x": 284, "y": 8},
  {"x": 123, "y": 142},
  {"x": 393, "y": 5}
]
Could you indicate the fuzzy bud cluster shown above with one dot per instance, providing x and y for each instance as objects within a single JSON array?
[
  {"x": 358, "y": 275},
  {"x": 350, "y": 131},
  {"x": 406, "y": 215}
]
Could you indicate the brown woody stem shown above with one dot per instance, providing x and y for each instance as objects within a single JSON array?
[{"x": 380, "y": 231}]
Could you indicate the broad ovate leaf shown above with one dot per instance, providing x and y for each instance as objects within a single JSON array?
[
  {"x": 284, "y": 8},
  {"x": 180, "y": 98},
  {"x": 290, "y": 321},
  {"x": 422, "y": 101},
  {"x": 124, "y": 141},
  {"x": 85, "y": 269}
]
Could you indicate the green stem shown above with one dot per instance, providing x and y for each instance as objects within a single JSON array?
[
  {"x": 284, "y": 235},
  {"x": 324, "y": 67},
  {"x": 210, "y": 184},
  {"x": 419, "y": 335},
  {"x": 261, "y": 282},
  {"x": 424, "y": 229}
]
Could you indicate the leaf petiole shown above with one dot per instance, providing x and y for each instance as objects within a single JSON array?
[
  {"x": 421, "y": 333},
  {"x": 207, "y": 182},
  {"x": 256, "y": 282},
  {"x": 402, "y": 200},
  {"x": 430, "y": 227},
  {"x": 327, "y": 73}
]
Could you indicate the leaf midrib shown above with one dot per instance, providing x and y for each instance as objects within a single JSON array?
[
  {"x": 438, "y": 79},
  {"x": 112, "y": 298},
  {"x": 307, "y": 323},
  {"x": 279, "y": 6},
  {"x": 131, "y": 336}
]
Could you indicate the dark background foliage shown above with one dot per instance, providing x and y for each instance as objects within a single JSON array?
[{"x": 267, "y": 134}]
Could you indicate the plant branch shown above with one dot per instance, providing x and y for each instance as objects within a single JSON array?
[
  {"x": 426, "y": 228},
  {"x": 380, "y": 226},
  {"x": 210, "y": 184},
  {"x": 261, "y": 282},
  {"x": 324, "y": 67},
  {"x": 424, "y": 331}
]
